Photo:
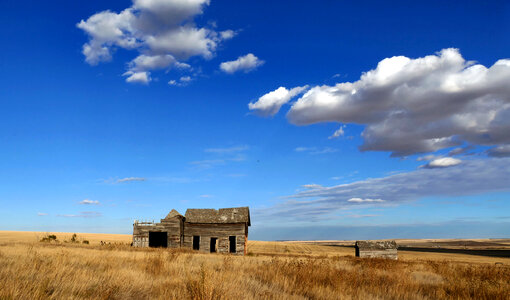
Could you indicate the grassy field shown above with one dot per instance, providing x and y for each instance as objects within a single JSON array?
[{"x": 273, "y": 270}]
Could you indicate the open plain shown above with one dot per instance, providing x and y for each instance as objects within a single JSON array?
[{"x": 30, "y": 269}]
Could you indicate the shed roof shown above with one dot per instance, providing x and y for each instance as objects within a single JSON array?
[
  {"x": 376, "y": 245},
  {"x": 172, "y": 214},
  {"x": 222, "y": 215}
]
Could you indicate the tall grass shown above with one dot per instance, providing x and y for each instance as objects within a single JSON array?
[{"x": 77, "y": 271}]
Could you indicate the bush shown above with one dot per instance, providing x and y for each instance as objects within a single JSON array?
[
  {"x": 85, "y": 242},
  {"x": 49, "y": 238},
  {"x": 74, "y": 238}
]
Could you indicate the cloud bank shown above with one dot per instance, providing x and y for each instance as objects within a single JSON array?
[
  {"x": 469, "y": 178},
  {"x": 413, "y": 106},
  {"x": 161, "y": 31}
]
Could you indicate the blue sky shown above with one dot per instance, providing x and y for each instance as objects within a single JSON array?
[{"x": 331, "y": 120}]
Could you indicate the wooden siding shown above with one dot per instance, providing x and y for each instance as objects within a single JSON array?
[
  {"x": 376, "y": 249},
  {"x": 219, "y": 231},
  {"x": 172, "y": 226}
]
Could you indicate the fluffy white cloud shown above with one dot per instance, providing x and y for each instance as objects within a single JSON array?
[
  {"x": 162, "y": 31},
  {"x": 151, "y": 62},
  {"x": 442, "y": 162},
  {"x": 270, "y": 103},
  {"x": 246, "y": 63},
  {"x": 417, "y": 105},
  {"x": 137, "y": 77},
  {"x": 469, "y": 178}
]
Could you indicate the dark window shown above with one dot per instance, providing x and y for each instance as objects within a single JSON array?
[
  {"x": 232, "y": 244},
  {"x": 196, "y": 242},
  {"x": 158, "y": 239},
  {"x": 213, "y": 244}
]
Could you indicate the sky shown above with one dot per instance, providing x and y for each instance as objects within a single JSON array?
[{"x": 329, "y": 119}]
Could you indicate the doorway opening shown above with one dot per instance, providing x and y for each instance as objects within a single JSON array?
[
  {"x": 232, "y": 244},
  {"x": 213, "y": 244},
  {"x": 196, "y": 242},
  {"x": 158, "y": 239}
]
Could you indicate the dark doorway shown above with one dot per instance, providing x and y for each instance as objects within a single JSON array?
[
  {"x": 196, "y": 242},
  {"x": 232, "y": 244},
  {"x": 158, "y": 239},
  {"x": 213, "y": 244}
]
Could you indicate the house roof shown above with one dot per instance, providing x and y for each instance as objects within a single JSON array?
[
  {"x": 376, "y": 245},
  {"x": 222, "y": 215},
  {"x": 172, "y": 214}
]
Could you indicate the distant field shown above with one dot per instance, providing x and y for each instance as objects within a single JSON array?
[{"x": 30, "y": 269}]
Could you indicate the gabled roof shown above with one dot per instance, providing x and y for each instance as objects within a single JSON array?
[
  {"x": 222, "y": 215},
  {"x": 172, "y": 214}
]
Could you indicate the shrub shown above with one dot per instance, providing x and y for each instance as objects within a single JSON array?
[{"x": 49, "y": 238}]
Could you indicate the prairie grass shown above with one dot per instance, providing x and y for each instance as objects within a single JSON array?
[{"x": 34, "y": 270}]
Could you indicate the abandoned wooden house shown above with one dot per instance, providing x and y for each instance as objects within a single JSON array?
[
  {"x": 208, "y": 230},
  {"x": 378, "y": 249}
]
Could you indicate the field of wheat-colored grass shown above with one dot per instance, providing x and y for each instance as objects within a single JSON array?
[{"x": 273, "y": 270}]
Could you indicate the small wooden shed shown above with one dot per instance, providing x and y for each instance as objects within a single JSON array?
[{"x": 378, "y": 249}]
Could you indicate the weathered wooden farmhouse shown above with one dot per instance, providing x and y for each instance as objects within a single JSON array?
[
  {"x": 208, "y": 230},
  {"x": 379, "y": 249}
]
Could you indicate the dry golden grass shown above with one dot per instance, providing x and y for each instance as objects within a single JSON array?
[{"x": 34, "y": 270}]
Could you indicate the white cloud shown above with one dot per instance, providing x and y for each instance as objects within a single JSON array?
[
  {"x": 84, "y": 214},
  {"x": 184, "y": 80},
  {"x": 312, "y": 186},
  {"x": 161, "y": 31},
  {"x": 89, "y": 202},
  {"x": 227, "y": 34},
  {"x": 41, "y": 214},
  {"x": 130, "y": 179},
  {"x": 138, "y": 77},
  {"x": 315, "y": 150},
  {"x": 469, "y": 178},
  {"x": 443, "y": 162},
  {"x": 246, "y": 63},
  {"x": 338, "y": 133},
  {"x": 367, "y": 200},
  {"x": 417, "y": 105},
  {"x": 228, "y": 149},
  {"x": 147, "y": 62},
  {"x": 206, "y": 196},
  {"x": 270, "y": 103}
]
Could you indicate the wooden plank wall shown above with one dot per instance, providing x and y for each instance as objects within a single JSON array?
[
  {"x": 173, "y": 227},
  {"x": 386, "y": 253},
  {"x": 219, "y": 231}
]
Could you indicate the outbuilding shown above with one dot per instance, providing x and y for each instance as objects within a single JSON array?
[{"x": 378, "y": 249}]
